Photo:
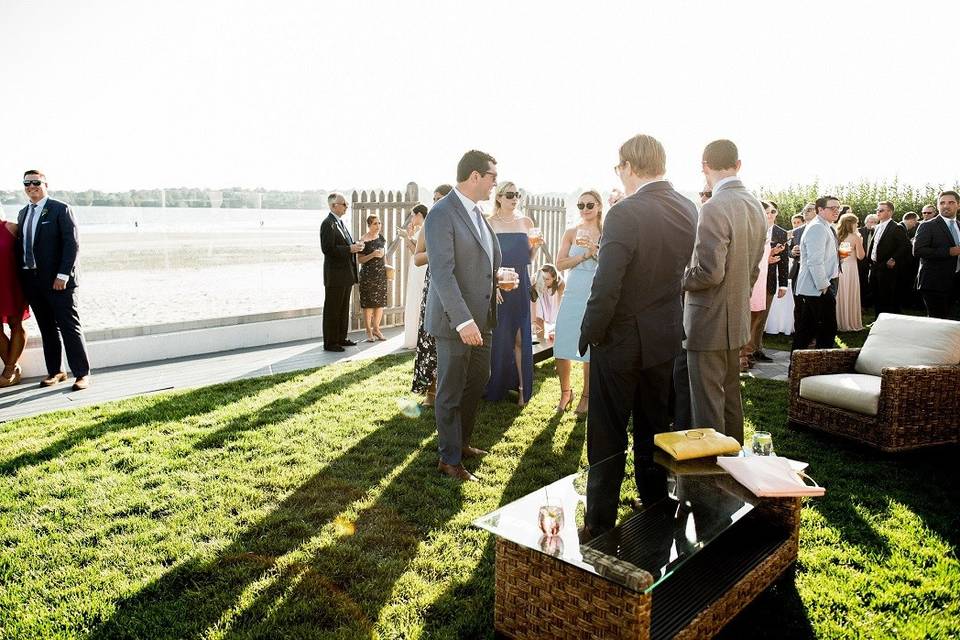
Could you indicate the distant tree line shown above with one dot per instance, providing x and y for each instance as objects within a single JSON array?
[
  {"x": 233, "y": 198},
  {"x": 861, "y": 196}
]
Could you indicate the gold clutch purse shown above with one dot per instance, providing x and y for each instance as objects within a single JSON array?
[{"x": 696, "y": 443}]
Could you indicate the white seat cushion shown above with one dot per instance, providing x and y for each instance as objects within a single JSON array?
[
  {"x": 852, "y": 391},
  {"x": 909, "y": 341}
]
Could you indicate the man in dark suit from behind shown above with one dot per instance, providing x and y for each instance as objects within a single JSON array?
[
  {"x": 776, "y": 278},
  {"x": 633, "y": 324},
  {"x": 47, "y": 250},
  {"x": 937, "y": 247},
  {"x": 908, "y": 273},
  {"x": 339, "y": 274},
  {"x": 887, "y": 252},
  {"x": 863, "y": 266}
]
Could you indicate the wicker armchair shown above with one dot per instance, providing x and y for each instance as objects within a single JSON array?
[{"x": 918, "y": 406}]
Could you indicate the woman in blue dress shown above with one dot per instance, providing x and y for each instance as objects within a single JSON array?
[
  {"x": 511, "y": 355},
  {"x": 577, "y": 256}
]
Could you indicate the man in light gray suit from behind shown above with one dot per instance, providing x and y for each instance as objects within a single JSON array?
[
  {"x": 464, "y": 256},
  {"x": 716, "y": 315}
]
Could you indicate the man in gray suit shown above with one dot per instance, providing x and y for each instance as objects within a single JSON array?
[
  {"x": 716, "y": 318},
  {"x": 461, "y": 313}
]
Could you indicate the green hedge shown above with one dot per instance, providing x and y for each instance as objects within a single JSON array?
[{"x": 862, "y": 196}]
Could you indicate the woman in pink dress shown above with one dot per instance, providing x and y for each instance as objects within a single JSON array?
[
  {"x": 13, "y": 307},
  {"x": 849, "y": 313},
  {"x": 758, "y": 302}
]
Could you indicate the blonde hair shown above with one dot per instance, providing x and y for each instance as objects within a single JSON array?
[
  {"x": 596, "y": 196},
  {"x": 847, "y": 225},
  {"x": 501, "y": 189},
  {"x": 645, "y": 155}
]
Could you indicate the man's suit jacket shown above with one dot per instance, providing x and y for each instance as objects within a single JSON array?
[
  {"x": 777, "y": 273},
  {"x": 725, "y": 266},
  {"x": 893, "y": 244},
  {"x": 56, "y": 243},
  {"x": 339, "y": 264},
  {"x": 795, "y": 266},
  {"x": 819, "y": 259},
  {"x": 462, "y": 281},
  {"x": 647, "y": 241},
  {"x": 938, "y": 269}
]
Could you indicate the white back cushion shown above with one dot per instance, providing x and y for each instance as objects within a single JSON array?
[{"x": 908, "y": 341}]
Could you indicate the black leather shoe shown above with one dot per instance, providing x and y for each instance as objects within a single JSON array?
[
  {"x": 760, "y": 356},
  {"x": 348, "y": 343},
  {"x": 334, "y": 347}
]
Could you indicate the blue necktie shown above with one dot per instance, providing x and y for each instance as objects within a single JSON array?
[{"x": 28, "y": 260}]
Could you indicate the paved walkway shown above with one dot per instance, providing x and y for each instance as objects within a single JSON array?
[{"x": 28, "y": 398}]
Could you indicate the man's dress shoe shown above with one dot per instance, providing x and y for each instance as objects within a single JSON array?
[
  {"x": 56, "y": 378},
  {"x": 457, "y": 472},
  {"x": 81, "y": 383},
  {"x": 348, "y": 343},
  {"x": 760, "y": 356},
  {"x": 334, "y": 347},
  {"x": 473, "y": 452}
]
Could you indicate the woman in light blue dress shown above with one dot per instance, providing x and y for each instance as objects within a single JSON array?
[{"x": 577, "y": 256}]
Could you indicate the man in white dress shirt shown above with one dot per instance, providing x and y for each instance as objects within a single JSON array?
[{"x": 817, "y": 280}]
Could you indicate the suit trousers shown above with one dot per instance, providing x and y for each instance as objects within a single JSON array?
[
  {"x": 758, "y": 320},
  {"x": 818, "y": 320},
  {"x": 336, "y": 315},
  {"x": 57, "y": 317},
  {"x": 715, "y": 390},
  {"x": 939, "y": 304},
  {"x": 462, "y": 374},
  {"x": 682, "y": 413},
  {"x": 883, "y": 286},
  {"x": 621, "y": 388}
]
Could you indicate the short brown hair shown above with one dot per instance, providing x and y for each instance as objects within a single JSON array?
[
  {"x": 36, "y": 171},
  {"x": 720, "y": 155},
  {"x": 371, "y": 218},
  {"x": 887, "y": 204},
  {"x": 645, "y": 155},
  {"x": 474, "y": 160},
  {"x": 950, "y": 192}
]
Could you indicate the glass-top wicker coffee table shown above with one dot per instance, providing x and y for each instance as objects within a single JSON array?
[{"x": 682, "y": 566}]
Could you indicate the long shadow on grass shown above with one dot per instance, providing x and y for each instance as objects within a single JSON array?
[
  {"x": 465, "y": 610},
  {"x": 284, "y": 407},
  {"x": 344, "y": 584},
  {"x": 166, "y": 409}
]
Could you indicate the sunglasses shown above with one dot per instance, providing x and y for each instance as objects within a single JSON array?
[
  {"x": 510, "y": 195},
  {"x": 32, "y": 183},
  {"x": 586, "y": 205},
  {"x": 706, "y": 194}
]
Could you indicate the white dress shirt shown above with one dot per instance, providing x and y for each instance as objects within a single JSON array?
[
  {"x": 723, "y": 181},
  {"x": 877, "y": 233},
  {"x": 34, "y": 222}
]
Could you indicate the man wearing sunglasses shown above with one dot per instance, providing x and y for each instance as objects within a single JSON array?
[{"x": 47, "y": 256}]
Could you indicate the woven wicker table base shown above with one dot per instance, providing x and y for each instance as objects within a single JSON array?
[{"x": 538, "y": 596}]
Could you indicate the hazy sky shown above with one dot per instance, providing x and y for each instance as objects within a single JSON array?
[{"x": 320, "y": 95}]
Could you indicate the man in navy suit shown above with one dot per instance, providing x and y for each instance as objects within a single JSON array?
[
  {"x": 648, "y": 239},
  {"x": 339, "y": 274},
  {"x": 937, "y": 246},
  {"x": 47, "y": 251}
]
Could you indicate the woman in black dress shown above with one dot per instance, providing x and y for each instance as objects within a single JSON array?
[{"x": 373, "y": 279}]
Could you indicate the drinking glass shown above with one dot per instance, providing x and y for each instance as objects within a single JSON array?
[
  {"x": 762, "y": 443},
  {"x": 551, "y": 519},
  {"x": 534, "y": 236},
  {"x": 845, "y": 249},
  {"x": 583, "y": 237},
  {"x": 507, "y": 278}
]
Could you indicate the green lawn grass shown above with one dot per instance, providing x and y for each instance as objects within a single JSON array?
[{"x": 307, "y": 505}]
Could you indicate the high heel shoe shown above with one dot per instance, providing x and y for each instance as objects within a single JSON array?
[
  {"x": 17, "y": 375},
  {"x": 565, "y": 406},
  {"x": 7, "y": 379}
]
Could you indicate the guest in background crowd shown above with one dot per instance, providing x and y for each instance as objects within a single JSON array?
[
  {"x": 47, "y": 254},
  {"x": 548, "y": 291},
  {"x": 758, "y": 307},
  {"x": 928, "y": 212},
  {"x": 415, "y": 276},
  {"x": 817, "y": 280},
  {"x": 373, "y": 278},
  {"x": 441, "y": 191},
  {"x": 907, "y": 279},
  {"x": 849, "y": 316},
  {"x": 425, "y": 362},
  {"x": 796, "y": 221},
  {"x": 809, "y": 212},
  {"x": 461, "y": 308},
  {"x": 13, "y": 306},
  {"x": 511, "y": 355},
  {"x": 706, "y": 194},
  {"x": 339, "y": 274},
  {"x": 578, "y": 256},
  {"x": 632, "y": 325},
  {"x": 773, "y": 275},
  {"x": 863, "y": 266},
  {"x": 937, "y": 246},
  {"x": 716, "y": 313},
  {"x": 887, "y": 249}
]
